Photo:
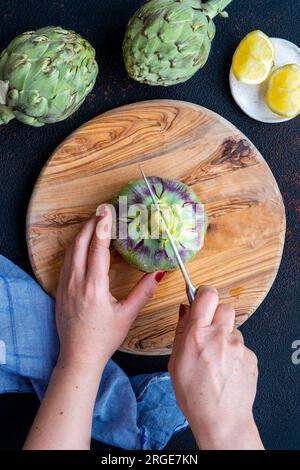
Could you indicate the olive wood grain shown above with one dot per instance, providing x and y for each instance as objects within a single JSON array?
[{"x": 177, "y": 140}]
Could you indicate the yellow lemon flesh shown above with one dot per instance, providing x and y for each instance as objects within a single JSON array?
[
  {"x": 283, "y": 92},
  {"x": 253, "y": 58}
]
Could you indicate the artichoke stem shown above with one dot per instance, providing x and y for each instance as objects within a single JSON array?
[
  {"x": 214, "y": 7},
  {"x": 6, "y": 114}
]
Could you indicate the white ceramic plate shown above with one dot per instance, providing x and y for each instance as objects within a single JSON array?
[{"x": 250, "y": 98}]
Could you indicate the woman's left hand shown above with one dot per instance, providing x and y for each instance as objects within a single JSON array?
[{"x": 91, "y": 323}]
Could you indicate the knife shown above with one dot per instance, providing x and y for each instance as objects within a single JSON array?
[{"x": 190, "y": 289}]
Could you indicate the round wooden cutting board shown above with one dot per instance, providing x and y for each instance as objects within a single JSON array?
[{"x": 177, "y": 140}]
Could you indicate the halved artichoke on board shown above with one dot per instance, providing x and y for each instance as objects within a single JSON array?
[{"x": 140, "y": 231}]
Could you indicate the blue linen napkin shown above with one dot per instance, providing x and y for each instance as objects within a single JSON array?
[{"x": 132, "y": 413}]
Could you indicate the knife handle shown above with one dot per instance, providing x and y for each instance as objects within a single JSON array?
[{"x": 191, "y": 292}]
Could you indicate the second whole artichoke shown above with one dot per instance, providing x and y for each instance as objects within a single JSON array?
[
  {"x": 167, "y": 41},
  {"x": 45, "y": 75}
]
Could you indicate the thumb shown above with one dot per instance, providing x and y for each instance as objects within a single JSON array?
[{"x": 140, "y": 295}]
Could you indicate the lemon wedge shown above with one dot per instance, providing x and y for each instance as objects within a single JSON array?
[
  {"x": 283, "y": 92},
  {"x": 253, "y": 58}
]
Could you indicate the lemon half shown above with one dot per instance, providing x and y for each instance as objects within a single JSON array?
[
  {"x": 253, "y": 58},
  {"x": 283, "y": 92}
]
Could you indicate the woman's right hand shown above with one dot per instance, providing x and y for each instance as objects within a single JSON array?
[{"x": 214, "y": 375}]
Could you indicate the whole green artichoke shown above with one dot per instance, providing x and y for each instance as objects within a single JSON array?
[
  {"x": 167, "y": 41},
  {"x": 45, "y": 75}
]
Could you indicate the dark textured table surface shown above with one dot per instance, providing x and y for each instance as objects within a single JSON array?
[{"x": 24, "y": 150}]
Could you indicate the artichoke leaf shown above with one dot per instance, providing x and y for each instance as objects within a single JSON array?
[
  {"x": 3, "y": 59},
  {"x": 29, "y": 120},
  {"x": 215, "y": 7},
  {"x": 18, "y": 41},
  {"x": 3, "y": 91}
]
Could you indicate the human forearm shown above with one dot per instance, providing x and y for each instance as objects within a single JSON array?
[
  {"x": 64, "y": 419},
  {"x": 214, "y": 375},
  {"x": 91, "y": 325},
  {"x": 242, "y": 435}
]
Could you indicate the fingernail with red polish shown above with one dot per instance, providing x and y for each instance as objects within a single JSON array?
[
  {"x": 159, "y": 276},
  {"x": 181, "y": 310}
]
